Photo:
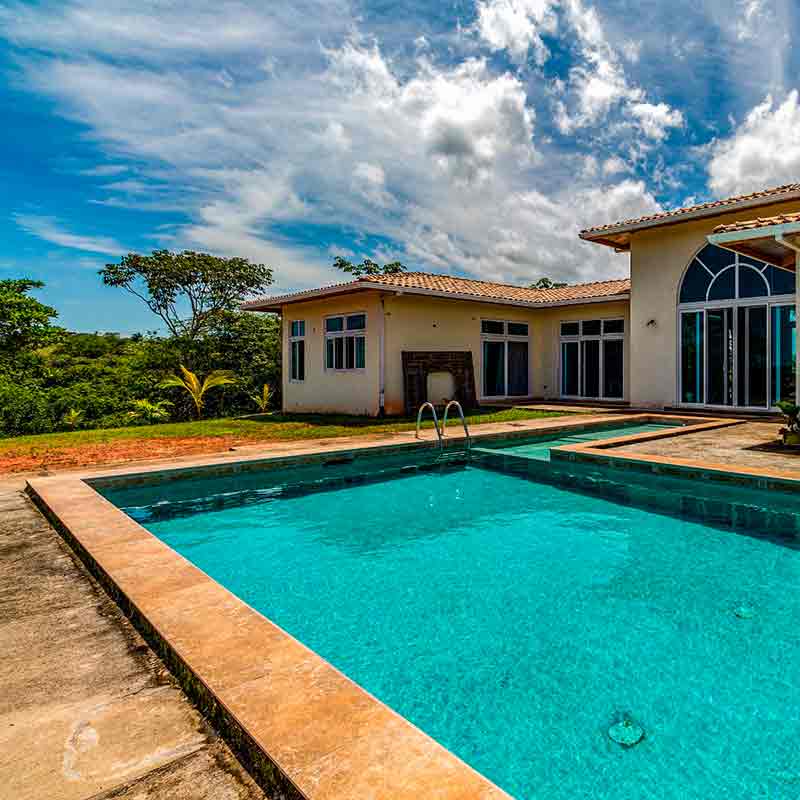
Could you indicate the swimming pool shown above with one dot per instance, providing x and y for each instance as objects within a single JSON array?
[{"x": 516, "y": 618}]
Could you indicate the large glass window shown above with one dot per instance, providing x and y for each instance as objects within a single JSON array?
[
  {"x": 570, "y": 369},
  {"x": 613, "y": 372},
  {"x": 692, "y": 352},
  {"x": 345, "y": 342},
  {"x": 737, "y": 340},
  {"x": 297, "y": 350},
  {"x": 751, "y": 348},
  {"x": 592, "y": 359},
  {"x": 494, "y": 369},
  {"x": 783, "y": 356},
  {"x": 717, "y": 274},
  {"x": 504, "y": 358}
]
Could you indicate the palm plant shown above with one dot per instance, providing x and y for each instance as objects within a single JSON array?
[
  {"x": 148, "y": 411},
  {"x": 197, "y": 388},
  {"x": 72, "y": 418},
  {"x": 262, "y": 400},
  {"x": 791, "y": 413}
]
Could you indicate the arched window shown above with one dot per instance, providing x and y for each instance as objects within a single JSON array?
[
  {"x": 736, "y": 324},
  {"x": 716, "y": 274}
]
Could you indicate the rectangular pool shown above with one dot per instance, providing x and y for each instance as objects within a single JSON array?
[{"x": 516, "y": 615}]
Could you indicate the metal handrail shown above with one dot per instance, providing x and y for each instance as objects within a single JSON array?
[
  {"x": 463, "y": 421},
  {"x": 435, "y": 422}
]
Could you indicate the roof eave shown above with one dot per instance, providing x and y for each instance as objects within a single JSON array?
[
  {"x": 274, "y": 304},
  {"x": 765, "y": 243},
  {"x": 598, "y": 237}
]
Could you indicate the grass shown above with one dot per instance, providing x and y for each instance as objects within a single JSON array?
[{"x": 258, "y": 427}]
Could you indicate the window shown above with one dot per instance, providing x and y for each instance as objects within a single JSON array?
[
  {"x": 345, "y": 342},
  {"x": 613, "y": 326},
  {"x": 737, "y": 332},
  {"x": 504, "y": 358},
  {"x": 716, "y": 274},
  {"x": 297, "y": 350},
  {"x": 590, "y": 327},
  {"x": 570, "y": 328},
  {"x": 592, "y": 358}
]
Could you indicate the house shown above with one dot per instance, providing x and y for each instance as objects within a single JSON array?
[{"x": 707, "y": 320}]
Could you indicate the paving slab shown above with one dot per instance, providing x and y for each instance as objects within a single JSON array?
[{"x": 87, "y": 710}]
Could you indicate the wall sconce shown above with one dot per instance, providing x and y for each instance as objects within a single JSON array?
[{"x": 651, "y": 323}]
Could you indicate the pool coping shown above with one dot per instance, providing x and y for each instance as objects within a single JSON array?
[
  {"x": 298, "y": 724},
  {"x": 611, "y": 453}
]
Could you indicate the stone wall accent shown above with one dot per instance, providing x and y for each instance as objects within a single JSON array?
[{"x": 418, "y": 363}]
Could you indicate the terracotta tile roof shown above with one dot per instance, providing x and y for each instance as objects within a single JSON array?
[
  {"x": 429, "y": 283},
  {"x": 760, "y": 222},
  {"x": 767, "y": 195}
]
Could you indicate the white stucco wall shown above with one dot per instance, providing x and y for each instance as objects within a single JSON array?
[
  {"x": 658, "y": 259},
  {"x": 414, "y": 322},
  {"x": 324, "y": 391}
]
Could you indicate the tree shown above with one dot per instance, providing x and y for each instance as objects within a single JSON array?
[
  {"x": 197, "y": 389},
  {"x": 24, "y": 322},
  {"x": 547, "y": 283},
  {"x": 367, "y": 267},
  {"x": 172, "y": 284}
]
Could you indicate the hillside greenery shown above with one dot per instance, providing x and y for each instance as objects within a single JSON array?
[{"x": 52, "y": 379}]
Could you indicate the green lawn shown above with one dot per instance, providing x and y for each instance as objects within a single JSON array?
[{"x": 262, "y": 427}]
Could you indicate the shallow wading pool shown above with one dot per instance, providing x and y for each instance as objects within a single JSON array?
[{"x": 516, "y": 610}]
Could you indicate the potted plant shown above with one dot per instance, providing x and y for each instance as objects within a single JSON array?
[{"x": 791, "y": 413}]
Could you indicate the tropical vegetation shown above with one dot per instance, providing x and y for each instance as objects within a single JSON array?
[{"x": 54, "y": 379}]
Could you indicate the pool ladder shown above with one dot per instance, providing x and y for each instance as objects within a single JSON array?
[{"x": 441, "y": 431}]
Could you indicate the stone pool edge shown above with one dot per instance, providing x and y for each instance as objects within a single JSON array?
[{"x": 611, "y": 453}]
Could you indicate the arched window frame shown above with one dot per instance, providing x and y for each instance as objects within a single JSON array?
[
  {"x": 736, "y": 264},
  {"x": 770, "y": 299}
]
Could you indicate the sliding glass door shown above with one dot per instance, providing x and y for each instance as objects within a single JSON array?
[
  {"x": 504, "y": 359},
  {"x": 593, "y": 359},
  {"x": 751, "y": 356},
  {"x": 742, "y": 356},
  {"x": 783, "y": 353}
]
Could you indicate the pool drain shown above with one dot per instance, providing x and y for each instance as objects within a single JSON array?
[
  {"x": 626, "y": 732},
  {"x": 744, "y": 612}
]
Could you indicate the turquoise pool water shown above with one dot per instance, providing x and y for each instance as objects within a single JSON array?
[
  {"x": 515, "y": 620},
  {"x": 539, "y": 448}
]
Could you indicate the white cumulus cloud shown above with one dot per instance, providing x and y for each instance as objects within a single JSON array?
[
  {"x": 655, "y": 120},
  {"x": 439, "y": 159},
  {"x": 517, "y": 26},
  {"x": 763, "y": 151}
]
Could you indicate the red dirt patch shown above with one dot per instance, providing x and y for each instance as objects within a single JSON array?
[{"x": 119, "y": 452}]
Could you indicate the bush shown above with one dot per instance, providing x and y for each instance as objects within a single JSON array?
[
  {"x": 102, "y": 377},
  {"x": 24, "y": 410}
]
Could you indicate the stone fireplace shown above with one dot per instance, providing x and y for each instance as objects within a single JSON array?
[{"x": 424, "y": 370}]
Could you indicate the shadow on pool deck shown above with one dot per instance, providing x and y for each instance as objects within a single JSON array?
[{"x": 86, "y": 708}]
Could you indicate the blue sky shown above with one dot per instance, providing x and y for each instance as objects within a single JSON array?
[{"x": 472, "y": 137}]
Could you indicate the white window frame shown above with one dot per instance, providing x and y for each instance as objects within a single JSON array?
[
  {"x": 579, "y": 338},
  {"x": 344, "y": 334},
  {"x": 292, "y": 341},
  {"x": 770, "y": 301},
  {"x": 505, "y": 338}
]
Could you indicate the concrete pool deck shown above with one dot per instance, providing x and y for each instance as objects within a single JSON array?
[
  {"x": 300, "y": 726},
  {"x": 86, "y": 709}
]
